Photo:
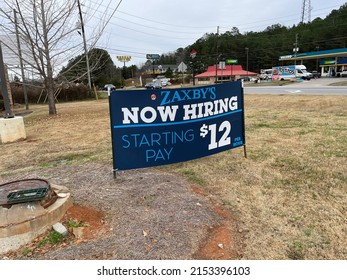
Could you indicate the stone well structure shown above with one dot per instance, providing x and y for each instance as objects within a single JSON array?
[{"x": 22, "y": 222}]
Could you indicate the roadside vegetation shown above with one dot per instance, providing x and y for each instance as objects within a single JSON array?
[
  {"x": 344, "y": 83},
  {"x": 288, "y": 197}
]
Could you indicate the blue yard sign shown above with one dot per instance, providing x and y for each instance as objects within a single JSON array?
[{"x": 163, "y": 126}]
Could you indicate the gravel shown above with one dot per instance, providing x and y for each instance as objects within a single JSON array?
[{"x": 152, "y": 214}]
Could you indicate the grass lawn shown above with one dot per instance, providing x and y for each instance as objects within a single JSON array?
[
  {"x": 344, "y": 83},
  {"x": 289, "y": 196}
]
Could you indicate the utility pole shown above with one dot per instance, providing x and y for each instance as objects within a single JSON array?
[
  {"x": 8, "y": 111},
  {"x": 21, "y": 62},
  {"x": 216, "y": 80},
  {"x": 85, "y": 45},
  {"x": 192, "y": 56},
  {"x": 296, "y": 49},
  {"x": 153, "y": 73},
  {"x": 317, "y": 48},
  {"x": 247, "y": 59}
]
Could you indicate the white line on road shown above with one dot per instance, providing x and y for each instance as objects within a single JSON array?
[{"x": 294, "y": 91}]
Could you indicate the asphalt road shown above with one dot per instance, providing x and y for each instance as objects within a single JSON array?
[{"x": 312, "y": 87}]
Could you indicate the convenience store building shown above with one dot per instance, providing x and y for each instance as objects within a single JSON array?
[{"x": 331, "y": 62}]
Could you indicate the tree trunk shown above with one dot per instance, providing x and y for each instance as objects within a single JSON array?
[
  {"x": 50, "y": 94},
  {"x": 49, "y": 82}
]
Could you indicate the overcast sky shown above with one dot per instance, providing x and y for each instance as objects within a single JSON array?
[{"x": 139, "y": 27}]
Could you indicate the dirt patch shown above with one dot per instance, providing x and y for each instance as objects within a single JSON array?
[
  {"x": 217, "y": 246},
  {"x": 198, "y": 190},
  {"x": 221, "y": 241},
  {"x": 90, "y": 222},
  {"x": 142, "y": 214}
]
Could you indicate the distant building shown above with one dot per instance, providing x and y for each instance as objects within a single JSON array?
[
  {"x": 230, "y": 73},
  {"x": 332, "y": 62}
]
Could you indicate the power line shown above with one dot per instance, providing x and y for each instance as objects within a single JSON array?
[
  {"x": 151, "y": 34},
  {"x": 156, "y": 28},
  {"x": 252, "y": 25},
  {"x": 139, "y": 26},
  {"x": 211, "y": 27},
  {"x": 165, "y": 23},
  {"x": 104, "y": 26}
]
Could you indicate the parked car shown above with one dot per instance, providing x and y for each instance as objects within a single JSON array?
[
  {"x": 153, "y": 85},
  {"x": 165, "y": 83},
  {"x": 344, "y": 73},
  {"x": 109, "y": 86},
  {"x": 244, "y": 78},
  {"x": 316, "y": 74}
]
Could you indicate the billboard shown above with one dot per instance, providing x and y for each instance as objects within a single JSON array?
[{"x": 164, "y": 126}]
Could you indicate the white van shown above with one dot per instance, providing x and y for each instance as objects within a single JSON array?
[{"x": 290, "y": 72}]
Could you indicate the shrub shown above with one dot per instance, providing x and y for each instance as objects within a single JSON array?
[
  {"x": 33, "y": 93},
  {"x": 74, "y": 92},
  {"x": 37, "y": 95}
]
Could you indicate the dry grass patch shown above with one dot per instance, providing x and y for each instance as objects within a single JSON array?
[
  {"x": 289, "y": 195},
  {"x": 80, "y": 132}
]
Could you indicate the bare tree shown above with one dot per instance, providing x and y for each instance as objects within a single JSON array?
[{"x": 47, "y": 28}]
